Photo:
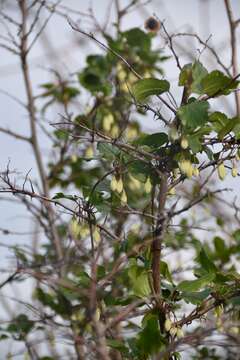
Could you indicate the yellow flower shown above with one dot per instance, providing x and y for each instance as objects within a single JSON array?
[
  {"x": 168, "y": 324},
  {"x": 121, "y": 73},
  {"x": 184, "y": 143},
  {"x": 134, "y": 184},
  {"x": 96, "y": 235},
  {"x": 89, "y": 152},
  {"x": 148, "y": 186},
  {"x": 195, "y": 171},
  {"x": 179, "y": 333},
  {"x": 119, "y": 187},
  {"x": 172, "y": 191},
  {"x": 186, "y": 168},
  {"x": 108, "y": 121},
  {"x": 173, "y": 331},
  {"x": 221, "y": 171},
  {"x": 124, "y": 198},
  {"x": 234, "y": 171},
  {"x": 131, "y": 133},
  {"x": 114, "y": 131},
  {"x": 75, "y": 228},
  {"x": 113, "y": 184}
]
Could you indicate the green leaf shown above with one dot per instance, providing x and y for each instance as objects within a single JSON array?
[
  {"x": 154, "y": 140},
  {"x": 139, "y": 170},
  {"x": 199, "y": 72},
  {"x": 205, "y": 262},
  {"x": 221, "y": 249},
  {"x": 145, "y": 340},
  {"x": 216, "y": 83},
  {"x": 118, "y": 345},
  {"x": 185, "y": 77},
  {"x": 136, "y": 38},
  {"x": 61, "y": 195},
  {"x": 93, "y": 82},
  {"x": 164, "y": 270},
  {"x": 139, "y": 279},
  {"x": 21, "y": 324},
  {"x": 191, "y": 77},
  {"x": 194, "y": 114},
  {"x": 108, "y": 151},
  {"x": 144, "y": 88},
  {"x": 196, "y": 297},
  {"x": 195, "y": 285}
]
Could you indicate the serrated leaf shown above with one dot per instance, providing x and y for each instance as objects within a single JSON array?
[
  {"x": 108, "y": 151},
  {"x": 199, "y": 72},
  {"x": 216, "y": 83},
  {"x": 205, "y": 262},
  {"x": 144, "y": 88},
  {"x": 196, "y": 297},
  {"x": 194, "y": 114},
  {"x": 195, "y": 285},
  {"x": 154, "y": 140}
]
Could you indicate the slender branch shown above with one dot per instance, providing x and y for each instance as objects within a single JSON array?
[
  {"x": 234, "y": 60},
  {"x": 33, "y": 121}
]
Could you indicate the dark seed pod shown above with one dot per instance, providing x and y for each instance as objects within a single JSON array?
[{"x": 152, "y": 24}]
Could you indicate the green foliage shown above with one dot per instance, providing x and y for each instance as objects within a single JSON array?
[
  {"x": 142, "y": 89},
  {"x": 132, "y": 215}
]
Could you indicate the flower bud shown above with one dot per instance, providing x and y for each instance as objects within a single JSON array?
[
  {"x": 180, "y": 333},
  {"x": 89, "y": 152},
  {"x": 221, "y": 171},
  {"x": 148, "y": 186},
  {"x": 186, "y": 168},
  {"x": 195, "y": 172},
  {"x": 168, "y": 324},
  {"x": 173, "y": 331},
  {"x": 108, "y": 121},
  {"x": 96, "y": 235},
  {"x": 75, "y": 228},
  {"x": 119, "y": 186},
  {"x": 172, "y": 191},
  {"x": 234, "y": 172},
  {"x": 124, "y": 198},
  {"x": 184, "y": 143},
  {"x": 173, "y": 133},
  {"x": 134, "y": 184},
  {"x": 115, "y": 131},
  {"x": 113, "y": 184}
]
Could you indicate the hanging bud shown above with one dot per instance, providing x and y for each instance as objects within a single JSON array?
[
  {"x": 173, "y": 331},
  {"x": 97, "y": 314},
  {"x": 75, "y": 228},
  {"x": 119, "y": 186},
  {"x": 172, "y": 191},
  {"x": 96, "y": 235},
  {"x": 221, "y": 171},
  {"x": 184, "y": 143},
  {"x": 219, "y": 310},
  {"x": 234, "y": 171},
  {"x": 180, "y": 333},
  {"x": 113, "y": 184},
  {"x": 148, "y": 186},
  {"x": 89, "y": 152},
  {"x": 168, "y": 324},
  {"x": 134, "y": 184},
  {"x": 108, "y": 121},
  {"x": 131, "y": 133},
  {"x": 173, "y": 133},
  {"x": 124, "y": 198},
  {"x": 195, "y": 172},
  {"x": 186, "y": 168},
  {"x": 114, "y": 131}
]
